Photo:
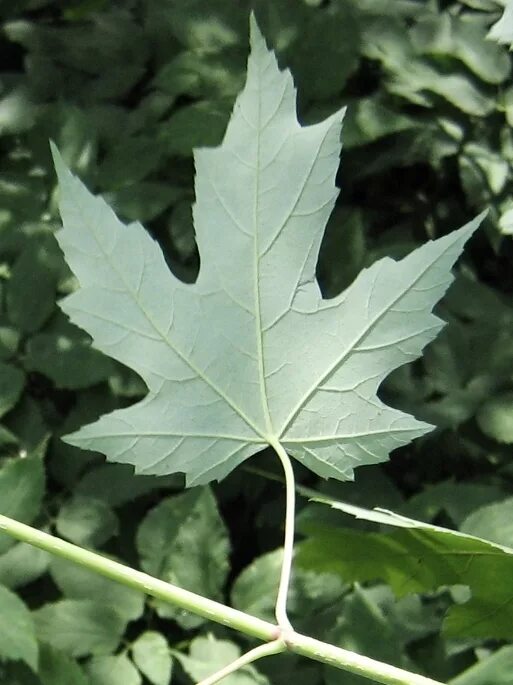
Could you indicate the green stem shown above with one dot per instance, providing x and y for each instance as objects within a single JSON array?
[
  {"x": 353, "y": 662},
  {"x": 201, "y": 606},
  {"x": 288, "y": 544},
  {"x": 215, "y": 611},
  {"x": 274, "y": 647}
]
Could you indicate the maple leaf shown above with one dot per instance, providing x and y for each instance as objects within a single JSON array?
[{"x": 250, "y": 354}]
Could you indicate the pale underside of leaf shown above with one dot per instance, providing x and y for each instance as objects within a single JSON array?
[{"x": 251, "y": 354}]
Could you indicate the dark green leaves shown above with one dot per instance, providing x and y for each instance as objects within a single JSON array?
[
  {"x": 78, "y": 583},
  {"x": 80, "y": 627},
  {"x": 495, "y": 669},
  {"x": 17, "y": 633},
  {"x": 151, "y": 655},
  {"x": 208, "y": 654},
  {"x": 366, "y": 624},
  {"x": 12, "y": 381},
  {"x": 31, "y": 290},
  {"x": 56, "y": 668},
  {"x": 495, "y": 417},
  {"x": 64, "y": 354},
  {"x": 493, "y": 522},
  {"x": 418, "y": 557},
  {"x": 113, "y": 670},
  {"x": 183, "y": 540},
  {"x": 502, "y": 31},
  {"x": 86, "y": 521},
  {"x": 21, "y": 492},
  {"x": 254, "y": 590}
]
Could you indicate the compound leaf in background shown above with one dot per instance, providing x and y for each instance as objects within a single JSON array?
[
  {"x": 57, "y": 668},
  {"x": 12, "y": 381},
  {"x": 442, "y": 34},
  {"x": 9, "y": 341},
  {"x": 495, "y": 669},
  {"x": 76, "y": 582},
  {"x": 116, "y": 484},
  {"x": 22, "y": 564},
  {"x": 79, "y": 627},
  {"x": 22, "y": 486},
  {"x": 494, "y": 522},
  {"x": 199, "y": 123},
  {"x": 250, "y": 354},
  {"x": 17, "y": 632},
  {"x": 63, "y": 353},
  {"x": 364, "y": 627},
  {"x": 297, "y": 31},
  {"x": 31, "y": 289},
  {"x": 309, "y": 593},
  {"x": 502, "y": 31},
  {"x": 113, "y": 670},
  {"x": 420, "y": 557},
  {"x": 152, "y": 657},
  {"x": 495, "y": 417},
  {"x": 86, "y": 521},
  {"x": 207, "y": 655},
  {"x": 184, "y": 541}
]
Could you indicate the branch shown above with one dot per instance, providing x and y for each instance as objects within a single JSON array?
[
  {"x": 274, "y": 647},
  {"x": 215, "y": 611},
  {"x": 201, "y": 606}
]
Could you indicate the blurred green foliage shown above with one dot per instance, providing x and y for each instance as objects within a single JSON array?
[{"x": 127, "y": 89}]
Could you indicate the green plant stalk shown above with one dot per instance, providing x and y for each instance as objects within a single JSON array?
[
  {"x": 201, "y": 606},
  {"x": 288, "y": 544},
  {"x": 267, "y": 649},
  {"x": 215, "y": 611}
]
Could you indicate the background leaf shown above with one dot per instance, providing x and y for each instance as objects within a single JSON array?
[
  {"x": 12, "y": 381},
  {"x": 17, "y": 633},
  {"x": 254, "y": 590},
  {"x": 86, "y": 521},
  {"x": 495, "y": 669},
  {"x": 31, "y": 290},
  {"x": 208, "y": 654},
  {"x": 63, "y": 353},
  {"x": 21, "y": 491},
  {"x": 56, "y": 668},
  {"x": 79, "y": 583},
  {"x": 152, "y": 657},
  {"x": 421, "y": 557},
  {"x": 22, "y": 564},
  {"x": 492, "y": 522},
  {"x": 79, "y": 627},
  {"x": 502, "y": 31},
  {"x": 113, "y": 670},
  {"x": 183, "y": 540}
]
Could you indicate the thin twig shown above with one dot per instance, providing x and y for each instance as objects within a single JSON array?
[{"x": 259, "y": 652}]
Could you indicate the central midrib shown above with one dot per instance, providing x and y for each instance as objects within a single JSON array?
[{"x": 256, "y": 280}]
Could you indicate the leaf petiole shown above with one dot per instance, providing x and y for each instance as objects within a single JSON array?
[
  {"x": 274, "y": 647},
  {"x": 288, "y": 544}
]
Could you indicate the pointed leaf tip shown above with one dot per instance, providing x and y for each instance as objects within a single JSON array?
[
  {"x": 60, "y": 166},
  {"x": 255, "y": 34}
]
